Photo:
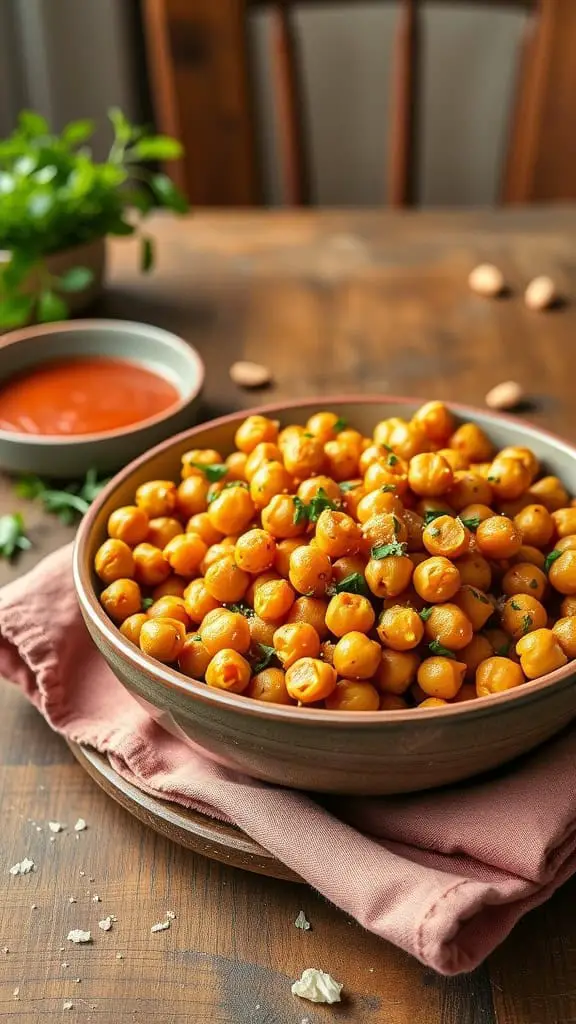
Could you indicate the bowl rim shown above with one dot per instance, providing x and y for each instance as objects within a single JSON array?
[
  {"x": 166, "y": 338},
  {"x": 187, "y": 687}
]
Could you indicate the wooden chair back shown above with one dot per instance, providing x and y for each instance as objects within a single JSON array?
[{"x": 202, "y": 92}]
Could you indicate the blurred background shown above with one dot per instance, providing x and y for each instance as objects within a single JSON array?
[{"x": 202, "y": 69}]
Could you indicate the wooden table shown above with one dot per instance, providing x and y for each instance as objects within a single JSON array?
[{"x": 348, "y": 301}]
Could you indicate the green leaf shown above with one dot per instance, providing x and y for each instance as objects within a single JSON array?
[
  {"x": 431, "y": 515},
  {"x": 31, "y": 124},
  {"x": 15, "y": 311},
  {"x": 443, "y": 652},
  {"x": 265, "y": 655},
  {"x": 76, "y": 279},
  {"x": 214, "y": 472},
  {"x": 387, "y": 488},
  {"x": 12, "y": 535},
  {"x": 340, "y": 425},
  {"x": 40, "y": 204},
  {"x": 29, "y": 486},
  {"x": 13, "y": 273},
  {"x": 51, "y": 307},
  {"x": 120, "y": 227},
  {"x": 91, "y": 486},
  {"x": 349, "y": 485},
  {"x": 167, "y": 194},
  {"x": 77, "y": 132},
  {"x": 157, "y": 147},
  {"x": 386, "y": 550},
  {"x": 352, "y": 584},
  {"x": 549, "y": 560},
  {"x": 515, "y": 606},
  {"x": 139, "y": 198},
  {"x": 56, "y": 501},
  {"x": 472, "y": 523},
  {"x": 146, "y": 254},
  {"x": 241, "y": 608},
  {"x": 527, "y": 622},
  {"x": 319, "y": 503},
  {"x": 123, "y": 130},
  {"x": 300, "y": 511},
  {"x": 426, "y": 613},
  {"x": 147, "y": 603}
]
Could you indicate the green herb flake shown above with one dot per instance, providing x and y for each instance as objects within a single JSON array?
[
  {"x": 349, "y": 485},
  {"x": 13, "y": 535},
  {"x": 340, "y": 425},
  {"x": 147, "y": 603},
  {"x": 319, "y": 503},
  {"x": 527, "y": 622},
  {"x": 471, "y": 523},
  {"x": 502, "y": 651},
  {"x": 493, "y": 479},
  {"x": 69, "y": 503},
  {"x": 214, "y": 472},
  {"x": 264, "y": 655},
  {"x": 307, "y": 434},
  {"x": 355, "y": 583},
  {"x": 426, "y": 613},
  {"x": 241, "y": 608},
  {"x": 442, "y": 652},
  {"x": 387, "y": 488},
  {"x": 550, "y": 559},
  {"x": 514, "y": 604},
  {"x": 431, "y": 514},
  {"x": 392, "y": 460},
  {"x": 479, "y": 595},
  {"x": 226, "y": 487},
  {"x": 380, "y": 551},
  {"x": 300, "y": 511}
]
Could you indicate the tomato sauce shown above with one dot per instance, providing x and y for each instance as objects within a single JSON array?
[{"x": 83, "y": 396}]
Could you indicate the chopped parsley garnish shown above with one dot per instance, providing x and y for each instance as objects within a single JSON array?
[
  {"x": 431, "y": 514},
  {"x": 514, "y": 604},
  {"x": 312, "y": 511},
  {"x": 352, "y": 584},
  {"x": 213, "y": 472},
  {"x": 13, "y": 535},
  {"x": 386, "y": 550},
  {"x": 241, "y": 608},
  {"x": 70, "y": 503},
  {"x": 392, "y": 459},
  {"x": 479, "y": 595},
  {"x": 387, "y": 488},
  {"x": 300, "y": 511},
  {"x": 340, "y": 425},
  {"x": 226, "y": 487},
  {"x": 426, "y": 613},
  {"x": 264, "y": 655},
  {"x": 502, "y": 651},
  {"x": 307, "y": 434},
  {"x": 443, "y": 652},
  {"x": 471, "y": 523},
  {"x": 550, "y": 559},
  {"x": 527, "y": 622},
  {"x": 349, "y": 485},
  {"x": 493, "y": 479},
  {"x": 147, "y": 603}
]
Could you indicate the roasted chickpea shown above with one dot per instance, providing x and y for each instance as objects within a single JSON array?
[
  {"x": 384, "y": 529},
  {"x": 348, "y": 565},
  {"x": 198, "y": 602},
  {"x": 162, "y": 639},
  {"x": 236, "y": 463},
  {"x": 294, "y": 430},
  {"x": 500, "y": 643},
  {"x": 565, "y": 543},
  {"x": 150, "y": 565},
  {"x": 200, "y": 524},
  {"x": 565, "y": 632},
  {"x": 356, "y": 656},
  {"x": 436, "y": 580},
  {"x": 524, "y": 578},
  {"x": 448, "y": 626},
  {"x": 296, "y": 640},
  {"x": 471, "y": 441},
  {"x": 550, "y": 492},
  {"x": 446, "y": 536},
  {"x": 214, "y": 553},
  {"x": 194, "y": 657},
  {"x": 568, "y": 606},
  {"x": 170, "y": 608},
  {"x": 261, "y": 454},
  {"x": 269, "y": 685},
  {"x": 540, "y": 652},
  {"x": 284, "y": 550},
  {"x": 349, "y": 612},
  {"x": 414, "y": 529},
  {"x": 372, "y": 453},
  {"x": 337, "y": 534},
  {"x": 494, "y": 675},
  {"x": 429, "y": 475},
  {"x": 531, "y": 555},
  {"x": 475, "y": 513},
  {"x": 509, "y": 478},
  {"x": 436, "y": 421},
  {"x": 129, "y": 524},
  {"x": 162, "y": 530},
  {"x": 388, "y": 577},
  {"x": 400, "y": 628},
  {"x": 353, "y": 441},
  {"x": 476, "y": 651},
  {"x": 310, "y": 488},
  {"x": 469, "y": 488},
  {"x": 456, "y": 460},
  {"x": 312, "y": 610},
  {"x": 351, "y": 695},
  {"x": 261, "y": 632},
  {"x": 392, "y": 702},
  {"x": 396, "y": 671},
  {"x": 304, "y": 455},
  {"x": 433, "y": 702},
  {"x": 157, "y": 498},
  {"x": 536, "y": 525},
  {"x": 255, "y": 551},
  {"x": 192, "y": 496},
  {"x": 325, "y": 426},
  {"x": 466, "y": 692},
  {"x": 172, "y": 586},
  {"x": 270, "y": 480},
  {"x": 564, "y": 521},
  {"x": 498, "y": 537},
  {"x": 523, "y": 455},
  {"x": 378, "y": 502},
  {"x": 388, "y": 472},
  {"x": 523, "y": 614},
  {"x": 405, "y": 439},
  {"x": 132, "y": 627},
  {"x": 475, "y": 604},
  {"x": 441, "y": 677},
  {"x": 222, "y": 629},
  {"x": 562, "y": 572},
  {"x": 184, "y": 553},
  {"x": 231, "y": 510},
  {"x": 341, "y": 462},
  {"x": 351, "y": 497},
  {"x": 255, "y": 430},
  {"x": 225, "y": 581},
  {"x": 280, "y": 515},
  {"x": 475, "y": 571},
  {"x": 310, "y": 571},
  {"x": 229, "y": 671},
  {"x": 309, "y": 680},
  {"x": 195, "y": 460},
  {"x": 114, "y": 561},
  {"x": 273, "y": 600}
]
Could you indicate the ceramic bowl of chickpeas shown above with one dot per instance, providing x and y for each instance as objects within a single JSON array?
[{"x": 355, "y": 596}]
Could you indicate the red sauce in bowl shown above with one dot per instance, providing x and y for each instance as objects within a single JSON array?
[{"x": 83, "y": 396}]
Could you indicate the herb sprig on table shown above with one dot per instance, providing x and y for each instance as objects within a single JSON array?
[
  {"x": 69, "y": 503},
  {"x": 12, "y": 535}
]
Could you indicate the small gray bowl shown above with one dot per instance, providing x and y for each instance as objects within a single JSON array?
[{"x": 68, "y": 457}]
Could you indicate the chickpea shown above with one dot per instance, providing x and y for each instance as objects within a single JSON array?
[
  {"x": 348, "y": 565},
  {"x": 500, "y": 643},
  {"x": 270, "y": 480},
  {"x": 353, "y": 441},
  {"x": 214, "y": 553},
  {"x": 157, "y": 498},
  {"x": 172, "y": 586},
  {"x": 310, "y": 571},
  {"x": 562, "y": 573},
  {"x": 475, "y": 571},
  {"x": 523, "y": 614},
  {"x": 260, "y": 455},
  {"x": 198, "y": 602},
  {"x": 349, "y": 612},
  {"x": 311, "y": 610},
  {"x": 389, "y": 472},
  {"x": 296, "y": 640},
  {"x": 456, "y": 460},
  {"x": 351, "y": 695},
  {"x": 446, "y": 536},
  {"x": 378, "y": 502},
  {"x": 471, "y": 441},
  {"x": 405, "y": 439},
  {"x": 273, "y": 600},
  {"x": 229, "y": 671},
  {"x": 184, "y": 553},
  {"x": 383, "y": 529},
  {"x": 429, "y": 475},
  {"x": 476, "y": 651},
  {"x": 278, "y": 517},
  {"x": 550, "y": 492},
  {"x": 441, "y": 677},
  {"x": 294, "y": 430},
  {"x": 568, "y": 606},
  {"x": 192, "y": 496},
  {"x": 327, "y": 649},
  {"x": 162, "y": 639},
  {"x": 475, "y": 604},
  {"x": 310, "y": 487},
  {"x": 236, "y": 463},
  {"x": 433, "y": 702},
  {"x": 341, "y": 462},
  {"x": 132, "y": 627},
  {"x": 200, "y": 524},
  {"x": 255, "y": 430},
  {"x": 392, "y": 702},
  {"x": 170, "y": 608},
  {"x": 469, "y": 488},
  {"x": 194, "y": 657},
  {"x": 325, "y": 426},
  {"x": 351, "y": 497},
  {"x": 303, "y": 455},
  {"x": 114, "y": 561},
  {"x": 270, "y": 686},
  {"x": 466, "y": 692},
  {"x": 513, "y": 508},
  {"x": 509, "y": 478},
  {"x": 565, "y": 543},
  {"x": 225, "y": 581},
  {"x": 231, "y": 510},
  {"x": 337, "y": 534},
  {"x": 498, "y": 537},
  {"x": 536, "y": 525},
  {"x": 371, "y": 454},
  {"x": 150, "y": 565},
  {"x": 193, "y": 461},
  {"x": 388, "y": 577},
  {"x": 475, "y": 511},
  {"x": 309, "y": 680},
  {"x": 284, "y": 550},
  {"x": 494, "y": 675},
  {"x": 400, "y": 628},
  {"x": 540, "y": 652},
  {"x": 436, "y": 421},
  {"x": 449, "y": 626},
  {"x": 436, "y": 580},
  {"x": 525, "y": 456},
  {"x": 222, "y": 629},
  {"x": 261, "y": 632},
  {"x": 396, "y": 671},
  {"x": 357, "y": 657},
  {"x": 531, "y": 555},
  {"x": 565, "y": 521},
  {"x": 524, "y": 578},
  {"x": 161, "y": 530},
  {"x": 565, "y": 632},
  {"x": 129, "y": 524},
  {"x": 255, "y": 551}
]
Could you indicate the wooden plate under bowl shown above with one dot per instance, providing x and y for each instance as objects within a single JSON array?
[{"x": 190, "y": 829}]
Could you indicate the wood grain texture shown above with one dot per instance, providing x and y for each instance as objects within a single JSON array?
[{"x": 348, "y": 301}]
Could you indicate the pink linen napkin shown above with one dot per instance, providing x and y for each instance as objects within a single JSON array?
[{"x": 443, "y": 875}]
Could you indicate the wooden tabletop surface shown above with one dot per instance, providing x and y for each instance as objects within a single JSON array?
[{"x": 352, "y": 302}]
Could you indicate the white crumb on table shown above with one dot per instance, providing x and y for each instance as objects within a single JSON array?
[
  {"x": 105, "y": 924},
  {"x": 23, "y": 867},
  {"x": 72, "y": 899},
  {"x": 38, "y": 828},
  {"x": 119, "y": 956},
  {"x": 65, "y": 964},
  {"x": 34, "y": 906},
  {"x": 5, "y": 949},
  {"x": 317, "y": 986},
  {"x": 52, "y": 839},
  {"x": 77, "y": 935},
  {"x": 96, "y": 898},
  {"x": 77, "y": 980},
  {"x": 161, "y": 926},
  {"x": 56, "y": 826},
  {"x": 80, "y": 825},
  {"x": 302, "y": 922},
  {"x": 170, "y": 915},
  {"x": 67, "y": 1006},
  {"x": 82, "y": 874},
  {"x": 16, "y": 993}
]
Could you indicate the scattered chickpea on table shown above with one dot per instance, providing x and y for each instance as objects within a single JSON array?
[{"x": 315, "y": 566}]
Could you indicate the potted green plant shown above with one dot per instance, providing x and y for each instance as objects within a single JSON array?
[{"x": 58, "y": 205}]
